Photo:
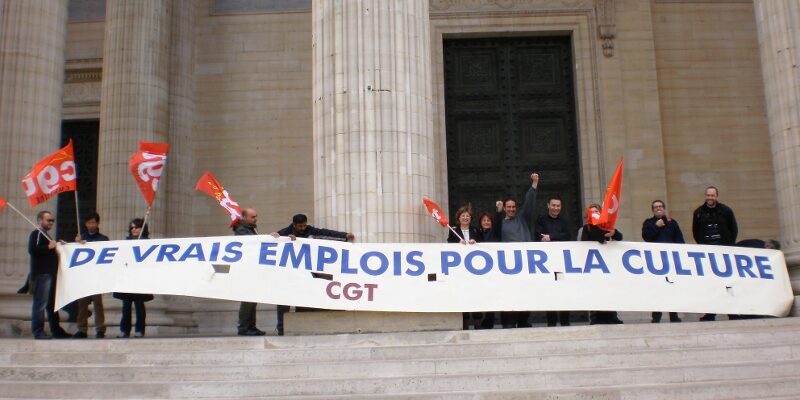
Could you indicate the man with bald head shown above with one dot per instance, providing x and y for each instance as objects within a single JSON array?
[
  {"x": 714, "y": 223},
  {"x": 247, "y": 311}
]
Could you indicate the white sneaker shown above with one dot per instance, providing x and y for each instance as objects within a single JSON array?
[{"x": 138, "y": 334}]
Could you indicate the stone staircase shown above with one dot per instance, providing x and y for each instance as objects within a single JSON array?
[{"x": 747, "y": 359}]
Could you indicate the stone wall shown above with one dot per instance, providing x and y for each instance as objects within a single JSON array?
[
  {"x": 713, "y": 112},
  {"x": 253, "y": 116}
]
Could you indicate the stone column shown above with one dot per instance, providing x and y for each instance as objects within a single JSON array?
[
  {"x": 134, "y": 106},
  {"x": 373, "y": 140},
  {"x": 179, "y": 182},
  {"x": 778, "y": 23},
  {"x": 32, "y": 41}
]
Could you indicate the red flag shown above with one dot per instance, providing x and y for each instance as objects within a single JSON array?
[
  {"x": 610, "y": 211},
  {"x": 211, "y": 186},
  {"x": 435, "y": 211},
  {"x": 50, "y": 176},
  {"x": 2, "y": 203},
  {"x": 147, "y": 165}
]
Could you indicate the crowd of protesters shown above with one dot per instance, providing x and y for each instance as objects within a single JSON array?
[{"x": 713, "y": 223}]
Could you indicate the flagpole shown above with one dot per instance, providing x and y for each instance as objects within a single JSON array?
[
  {"x": 144, "y": 222},
  {"x": 38, "y": 228},
  {"x": 77, "y": 216},
  {"x": 454, "y": 231}
]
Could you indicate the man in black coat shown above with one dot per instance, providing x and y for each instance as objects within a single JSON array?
[
  {"x": 299, "y": 228},
  {"x": 714, "y": 223},
  {"x": 43, "y": 272},
  {"x": 552, "y": 228},
  {"x": 660, "y": 228}
]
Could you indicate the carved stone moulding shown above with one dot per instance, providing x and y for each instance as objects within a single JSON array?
[{"x": 604, "y": 11}]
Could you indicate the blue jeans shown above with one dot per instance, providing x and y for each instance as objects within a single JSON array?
[{"x": 43, "y": 300}]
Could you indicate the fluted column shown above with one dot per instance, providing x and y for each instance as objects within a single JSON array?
[
  {"x": 32, "y": 41},
  {"x": 373, "y": 142},
  {"x": 778, "y": 23},
  {"x": 179, "y": 182},
  {"x": 134, "y": 106}
]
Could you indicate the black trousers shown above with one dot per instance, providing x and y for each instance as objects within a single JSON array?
[
  {"x": 141, "y": 314},
  {"x": 247, "y": 316},
  {"x": 554, "y": 317}
]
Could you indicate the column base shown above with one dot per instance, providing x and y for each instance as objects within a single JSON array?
[{"x": 335, "y": 322}]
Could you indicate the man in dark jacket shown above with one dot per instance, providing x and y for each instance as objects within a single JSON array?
[
  {"x": 516, "y": 228},
  {"x": 247, "y": 310},
  {"x": 714, "y": 223},
  {"x": 92, "y": 234},
  {"x": 299, "y": 228},
  {"x": 661, "y": 229},
  {"x": 552, "y": 228},
  {"x": 43, "y": 271}
]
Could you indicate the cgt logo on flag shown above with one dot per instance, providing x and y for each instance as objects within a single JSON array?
[
  {"x": 610, "y": 211},
  {"x": 209, "y": 185},
  {"x": 435, "y": 211},
  {"x": 50, "y": 176},
  {"x": 147, "y": 165}
]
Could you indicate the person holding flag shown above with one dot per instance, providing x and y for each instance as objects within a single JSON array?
[
  {"x": 136, "y": 230},
  {"x": 43, "y": 271},
  {"x": 601, "y": 227},
  {"x": 513, "y": 228}
]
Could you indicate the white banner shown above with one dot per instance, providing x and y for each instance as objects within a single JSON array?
[{"x": 623, "y": 276}]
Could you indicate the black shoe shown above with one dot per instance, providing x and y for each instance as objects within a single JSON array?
[
  {"x": 551, "y": 324},
  {"x": 61, "y": 334},
  {"x": 708, "y": 317},
  {"x": 124, "y": 335},
  {"x": 79, "y": 335},
  {"x": 655, "y": 321},
  {"x": 42, "y": 336},
  {"x": 524, "y": 325},
  {"x": 676, "y": 320},
  {"x": 565, "y": 324},
  {"x": 252, "y": 332},
  {"x": 615, "y": 321},
  {"x": 100, "y": 335}
]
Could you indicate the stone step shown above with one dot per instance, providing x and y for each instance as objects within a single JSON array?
[
  {"x": 241, "y": 351},
  {"x": 522, "y": 362},
  {"x": 657, "y": 382}
]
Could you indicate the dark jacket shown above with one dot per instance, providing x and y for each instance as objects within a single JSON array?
[
  {"x": 94, "y": 237},
  {"x": 669, "y": 233},
  {"x": 517, "y": 229},
  {"x": 486, "y": 235},
  {"x": 43, "y": 260},
  {"x": 714, "y": 225},
  {"x": 557, "y": 228},
  {"x": 134, "y": 296},
  {"x": 474, "y": 234},
  {"x": 591, "y": 233},
  {"x": 312, "y": 231},
  {"x": 243, "y": 228}
]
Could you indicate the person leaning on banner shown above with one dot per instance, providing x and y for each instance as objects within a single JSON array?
[
  {"x": 486, "y": 234},
  {"x": 512, "y": 228},
  {"x": 660, "y": 228},
  {"x": 43, "y": 274},
  {"x": 469, "y": 235},
  {"x": 593, "y": 233},
  {"x": 247, "y": 225},
  {"x": 136, "y": 230},
  {"x": 714, "y": 223},
  {"x": 299, "y": 228},
  {"x": 552, "y": 228},
  {"x": 91, "y": 223}
]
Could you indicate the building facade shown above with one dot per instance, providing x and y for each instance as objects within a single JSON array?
[{"x": 351, "y": 111}]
